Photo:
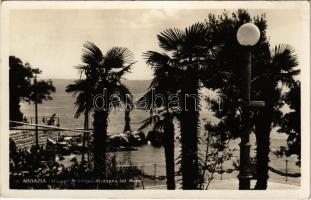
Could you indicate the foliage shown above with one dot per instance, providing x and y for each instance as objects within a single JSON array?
[
  {"x": 40, "y": 164},
  {"x": 82, "y": 90},
  {"x": 23, "y": 89},
  {"x": 290, "y": 123},
  {"x": 225, "y": 75},
  {"x": 217, "y": 151},
  {"x": 270, "y": 69}
]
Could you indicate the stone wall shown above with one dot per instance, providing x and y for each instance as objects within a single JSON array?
[{"x": 24, "y": 139}]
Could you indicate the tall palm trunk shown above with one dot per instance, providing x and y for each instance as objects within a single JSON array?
[
  {"x": 169, "y": 153},
  {"x": 86, "y": 127},
  {"x": 262, "y": 131},
  {"x": 189, "y": 158},
  {"x": 189, "y": 120},
  {"x": 100, "y": 137},
  {"x": 127, "y": 119}
]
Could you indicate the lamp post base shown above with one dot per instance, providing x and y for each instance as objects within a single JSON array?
[
  {"x": 245, "y": 174},
  {"x": 245, "y": 182}
]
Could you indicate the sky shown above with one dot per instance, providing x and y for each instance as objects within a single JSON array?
[{"x": 52, "y": 40}]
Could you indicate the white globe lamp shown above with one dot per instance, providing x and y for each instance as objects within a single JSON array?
[{"x": 248, "y": 34}]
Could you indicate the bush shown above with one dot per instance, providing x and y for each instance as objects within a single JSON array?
[{"x": 28, "y": 171}]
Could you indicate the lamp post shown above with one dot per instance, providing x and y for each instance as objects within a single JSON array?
[
  {"x": 248, "y": 35},
  {"x": 36, "y": 111}
]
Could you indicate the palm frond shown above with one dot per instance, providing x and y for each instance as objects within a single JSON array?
[
  {"x": 284, "y": 57},
  {"x": 287, "y": 78},
  {"x": 76, "y": 87},
  {"x": 117, "y": 57},
  {"x": 91, "y": 55},
  {"x": 165, "y": 73},
  {"x": 153, "y": 119},
  {"x": 154, "y": 58},
  {"x": 81, "y": 89},
  {"x": 82, "y": 106},
  {"x": 119, "y": 74},
  {"x": 196, "y": 34},
  {"x": 83, "y": 103},
  {"x": 170, "y": 39}
]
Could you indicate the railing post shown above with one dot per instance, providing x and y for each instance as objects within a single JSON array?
[
  {"x": 155, "y": 174},
  {"x": 58, "y": 124},
  {"x": 142, "y": 176},
  {"x": 221, "y": 169},
  {"x": 88, "y": 147},
  {"x": 106, "y": 170},
  {"x": 286, "y": 164}
]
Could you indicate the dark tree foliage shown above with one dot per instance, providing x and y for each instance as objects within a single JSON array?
[
  {"x": 208, "y": 54},
  {"x": 22, "y": 87},
  {"x": 269, "y": 69},
  {"x": 225, "y": 75},
  {"x": 290, "y": 122}
]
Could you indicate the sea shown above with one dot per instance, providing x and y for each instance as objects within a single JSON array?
[{"x": 147, "y": 156}]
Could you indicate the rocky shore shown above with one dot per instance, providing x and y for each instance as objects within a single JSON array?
[{"x": 64, "y": 144}]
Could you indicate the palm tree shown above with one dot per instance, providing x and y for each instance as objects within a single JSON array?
[
  {"x": 162, "y": 113},
  {"x": 280, "y": 68},
  {"x": 105, "y": 71},
  {"x": 188, "y": 50},
  {"x": 82, "y": 90},
  {"x": 163, "y": 121}
]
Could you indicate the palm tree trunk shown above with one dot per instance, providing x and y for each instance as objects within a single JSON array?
[
  {"x": 127, "y": 119},
  {"x": 262, "y": 131},
  {"x": 189, "y": 140},
  {"x": 169, "y": 153},
  {"x": 100, "y": 137},
  {"x": 189, "y": 136},
  {"x": 86, "y": 121}
]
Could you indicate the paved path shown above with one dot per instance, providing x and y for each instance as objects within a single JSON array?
[{"x": 233, "y": 184}]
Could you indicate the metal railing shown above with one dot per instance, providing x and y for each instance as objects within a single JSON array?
[
  {"x": 153, "y": 174},
  {"x": 286, "y": 172}
]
